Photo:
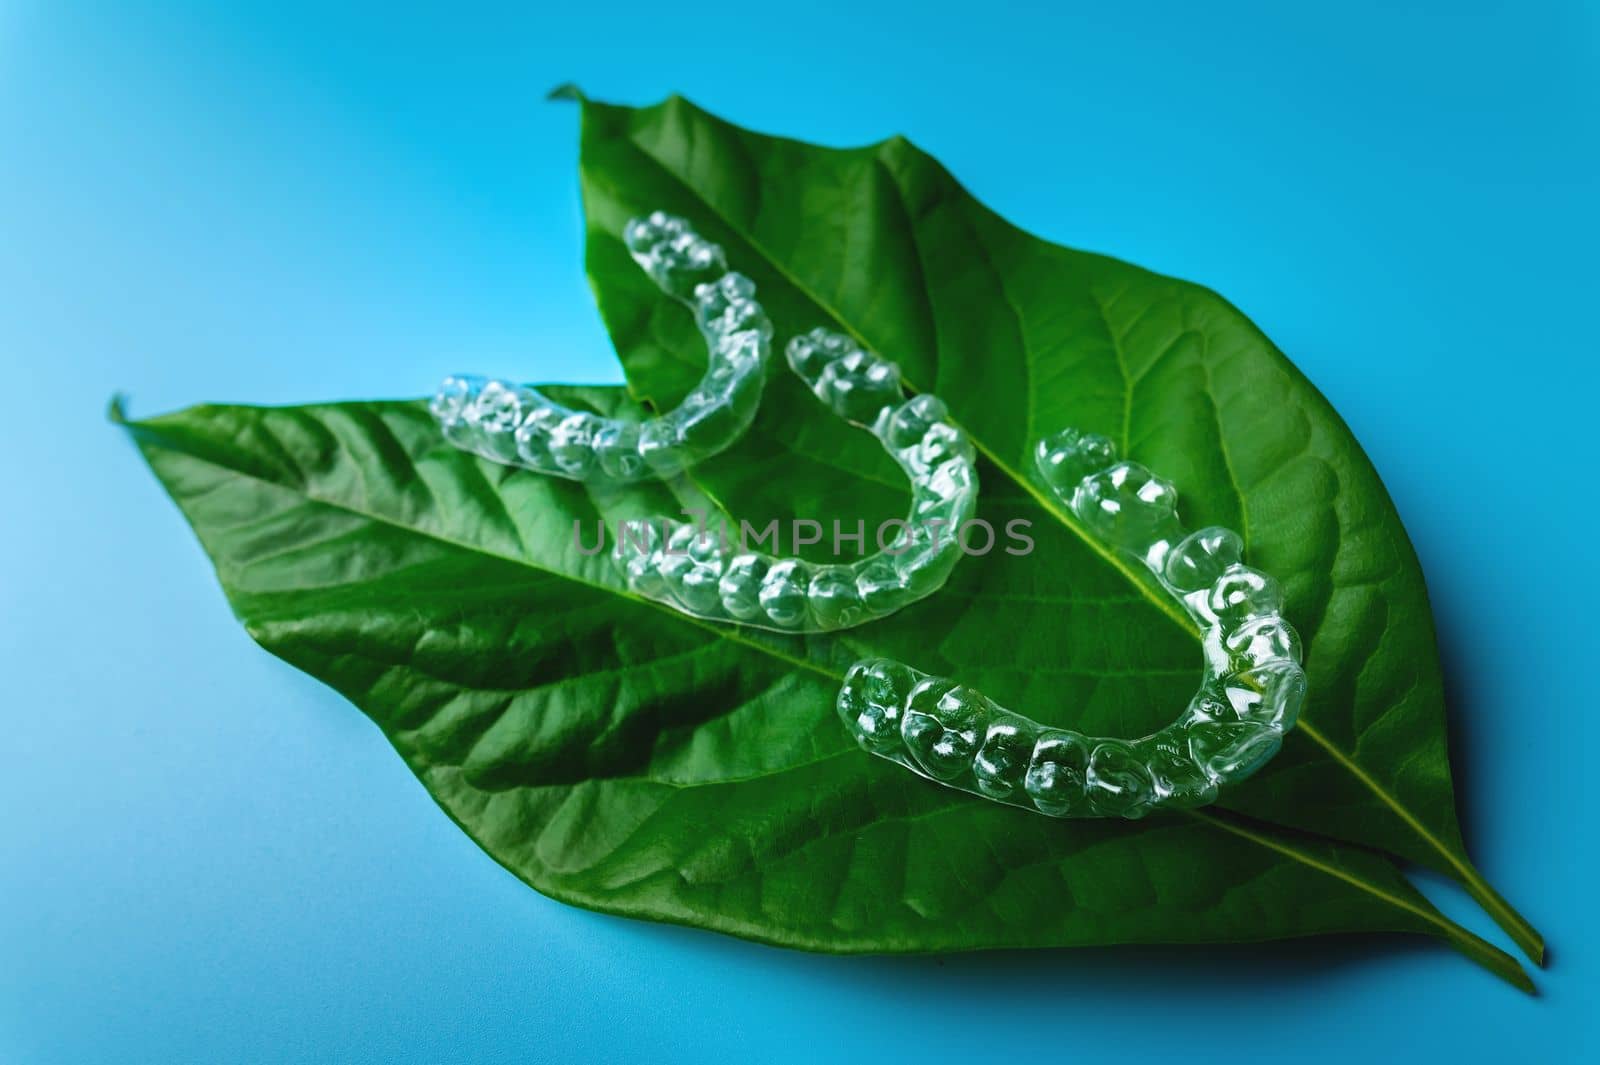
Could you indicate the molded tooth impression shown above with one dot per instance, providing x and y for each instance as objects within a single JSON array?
[
  {"x": 1249, "y": 697},
  {"x": 520, "y": 426},
  {"x": 710, "y": 579},
  {"x": 699, "y": 575}
]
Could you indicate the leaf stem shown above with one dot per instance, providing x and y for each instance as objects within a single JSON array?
[
  {"x": 1486, "y": 954},
  {"x": 1523, "y": 934},
  {"x": 1467, "y": 943}
]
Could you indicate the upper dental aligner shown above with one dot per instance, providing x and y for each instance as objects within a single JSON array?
[
  {"x": 1249, "y": 697},
  {"x": 520, "y": 426},
  {"x": 696, "y": 572}
]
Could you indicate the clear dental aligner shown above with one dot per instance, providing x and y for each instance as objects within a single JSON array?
[
  {"x": 697, "y": 572},
  {"x": 1249, "y": 697},
  {"x": 518, "y": 425}
]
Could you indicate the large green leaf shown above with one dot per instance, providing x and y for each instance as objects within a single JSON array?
[
  {"x": 619, "y": 755},
  {"x": 1021, "y": 337}
]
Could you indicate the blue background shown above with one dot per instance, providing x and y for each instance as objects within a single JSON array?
[{"x": 206, "y": 856}]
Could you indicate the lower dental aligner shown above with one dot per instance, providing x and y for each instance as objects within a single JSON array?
[
  {"x": 1250, "y": 695},
  {"x": 696, "y": 572},
  {"x": 519, "y": 426}
]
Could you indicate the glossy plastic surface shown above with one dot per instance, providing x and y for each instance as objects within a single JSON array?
[
  {"x": 697, "y": 572},
  {"x": 1249, "y": 697},
  {"x": 521, "y": 426}
]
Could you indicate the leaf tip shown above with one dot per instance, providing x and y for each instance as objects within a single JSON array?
[
  {"x": 566, "y": 91},
  {"x": 897, "y": 142},
  {"x": 117, "y": 409}
]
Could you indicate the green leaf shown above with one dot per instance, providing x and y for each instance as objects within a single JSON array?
[
  {"x": 618, "y": 755},
  {"x": 1021, "y": 337}
]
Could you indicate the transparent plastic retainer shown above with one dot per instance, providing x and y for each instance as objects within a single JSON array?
[
  {"x": 699, "y": 574},
  {"x": 520, "y": 426},
  {"x": 688, "y": 568},
  {"x": 1249, "y": 698}
]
